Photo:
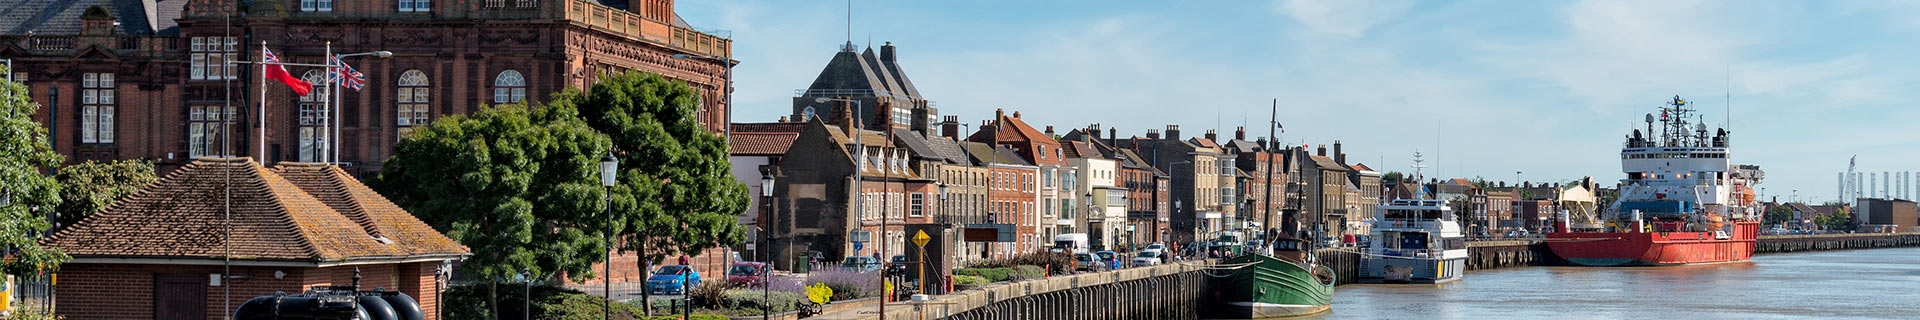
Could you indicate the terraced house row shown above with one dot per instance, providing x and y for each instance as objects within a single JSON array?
[{"x": 864, "y": 162}]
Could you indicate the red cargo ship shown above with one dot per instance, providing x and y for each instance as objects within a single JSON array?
[{"x": 1682, "y": 202}]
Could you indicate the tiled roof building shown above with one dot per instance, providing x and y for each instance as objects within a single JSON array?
[{"x": 282, "y": 229}]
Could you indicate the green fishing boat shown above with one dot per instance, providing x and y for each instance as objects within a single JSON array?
[{"x": 1281, "y": 284}]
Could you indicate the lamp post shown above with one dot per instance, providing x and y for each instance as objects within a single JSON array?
[
  {"x": 858, "y": 183},
  {"x": 726, "y": 88},
  {"x": 609, "y": 167},
  {"x": 1089, "y": 217},
  {"x": 766, "y": 236}
]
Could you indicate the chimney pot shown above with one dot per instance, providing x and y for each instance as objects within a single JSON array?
[
  {"x": 1211, "y": 136},
  {"x": 1049, "y": 129},
  {"x": 1016, "y": 114},
  {"x": 1153, "y": 134},
  {"x": 1240, "y": 133},
  {"x": 1173, "y": 132},
  {"x": 1322, "y": 150}
]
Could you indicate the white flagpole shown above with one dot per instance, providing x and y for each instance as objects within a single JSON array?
[
  {"x": 339, "y": 72},
  {"x": 326, "y": 109},
  {"x": 263, "y": 103}
]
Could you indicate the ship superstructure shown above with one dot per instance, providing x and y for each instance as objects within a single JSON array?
[{"x": 1683, "y": 200}]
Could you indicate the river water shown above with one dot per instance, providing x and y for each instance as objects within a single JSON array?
[{"x": 1854, "y": 284}]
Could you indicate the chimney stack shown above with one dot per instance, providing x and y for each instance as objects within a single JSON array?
[
  {"x": 950, "y": 126},
  {"x": 1049, "y": 128},
  {"x": 998, "y": 113},
  {"x": 1323, "y": 150},
  {"x": 886, "y": 52},
  {"x": 783, "y": 119},
  {"x": 1212, "y": 137},
  {"x": 1263, "y": 145},
  {"x": 1240, "y": 133},
  {"x": 919, "y": 122},
  {"x": 1153, "y": 134},
  {"x": 1173, "y": 132},
  {"x": 1338, "y": 156},
  {"x": 1016, "y": 114},
  {"x": 1093, "y": 131},
  {"x": 1113, "y": 137}
]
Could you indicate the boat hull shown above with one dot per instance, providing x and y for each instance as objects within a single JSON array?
[
  {"x": 1269, "y": 287},
  {"x": 1411, "y": 270},
  {"x": 1610, "y": 249}
]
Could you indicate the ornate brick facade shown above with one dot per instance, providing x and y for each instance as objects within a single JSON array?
[{"x": 449, "y": 57}]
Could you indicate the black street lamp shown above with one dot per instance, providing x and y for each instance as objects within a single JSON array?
[
  {"x": 609, "y": 168},
  {"x": 766, "y": 234}
]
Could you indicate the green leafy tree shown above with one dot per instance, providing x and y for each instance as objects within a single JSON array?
[
  {"x": 1840, "y": 219},
  {"x": 27, "y": 194},
  {"x": 90, "y": 186},
  {"x": 1778, "y": 214},
  {"x": 518, "y": 185},
  {"x": 676, "y": 194}
]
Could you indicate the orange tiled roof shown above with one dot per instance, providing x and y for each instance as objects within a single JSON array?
[
  {"x": 375, "y": 214},
  {"x": 185, "y": 215},
  {"x": 762, "y": 143}
]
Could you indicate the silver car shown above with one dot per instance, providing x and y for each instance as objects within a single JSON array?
[{"x": 1147, "y": 258}]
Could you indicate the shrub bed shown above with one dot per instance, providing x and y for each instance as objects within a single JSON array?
[{"x": 549, "y": 302}]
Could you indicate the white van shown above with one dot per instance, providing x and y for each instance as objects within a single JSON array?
[{"x": 1071, "y": 243}]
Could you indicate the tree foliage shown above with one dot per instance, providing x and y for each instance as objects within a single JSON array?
[
  {"x": 1778, "y": 214},
  {"x": 27, "y": 193},
  {"x": 676, "y": 194},
  {"x": 518, "y": 185},
  {"x": 87, "y": 187},
  {"x": 1840, "y": 219}
]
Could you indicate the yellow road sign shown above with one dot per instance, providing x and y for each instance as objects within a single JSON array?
[{"x": 921, "y": 238}]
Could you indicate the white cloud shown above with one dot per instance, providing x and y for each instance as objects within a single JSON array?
[{"x": 1345, "y": 19}]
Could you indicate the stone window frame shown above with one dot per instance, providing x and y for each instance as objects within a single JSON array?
[
  {"x": 311, "y": 142},
  {"x": 97, "y": 108},
  {"x": 412, "y": 102},
  {"x": 509, "y": 86}
]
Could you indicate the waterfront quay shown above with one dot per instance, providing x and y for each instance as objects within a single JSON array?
[{"x": 1522, "y": 267}]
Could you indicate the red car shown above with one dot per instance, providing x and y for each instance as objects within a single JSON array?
[{"x": 747, "y": 274}]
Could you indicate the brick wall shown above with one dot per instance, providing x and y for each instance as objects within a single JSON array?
[
  {"x": 711, "y": 264},
  {"x": 103, "y": 291}
]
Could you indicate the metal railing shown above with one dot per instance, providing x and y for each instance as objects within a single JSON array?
[{"x": 31, "y": 295}]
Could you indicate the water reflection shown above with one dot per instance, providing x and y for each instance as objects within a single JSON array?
[{"x": 1860, "y": 284}]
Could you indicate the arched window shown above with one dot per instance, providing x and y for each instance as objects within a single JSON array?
[
  {"x": 312, "y": 142},
  {"x": 808, "y": 115},
  {"x": 410, "y": 108},
  {"x": 509, "y": 87}
]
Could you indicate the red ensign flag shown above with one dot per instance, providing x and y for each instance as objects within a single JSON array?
[{"x": 279, "y": 73}]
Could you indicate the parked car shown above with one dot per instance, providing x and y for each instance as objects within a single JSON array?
[
  {"x": 1147, "y": 258},
  {"x": 1110, "y": 259},
  {"x": 897, "y": 265},
  {"x": 1086, "y": 262},
  {"x": 674, "y": 279},
  {"x": 1155, "y": 247},
  {"x": 747, "y": 274},
  {"x": 860, "y": 264}
]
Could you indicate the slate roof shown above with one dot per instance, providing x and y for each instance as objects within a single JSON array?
[
  {"x": 985, "y": 154},
  {"x": 950, "y": 150},
  {"x": 1326, "y": 163},
  {"x": 916, "y": 144},
  {"x": 62, "y": 17},
  {"x": 1237, "y": 146},
  {"x": 272, "y": 218}
]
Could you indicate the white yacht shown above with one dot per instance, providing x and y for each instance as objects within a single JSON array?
[{"x": 1414, "y": 241}]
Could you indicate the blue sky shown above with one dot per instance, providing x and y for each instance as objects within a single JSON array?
[{"x": 1484, "y": 88}]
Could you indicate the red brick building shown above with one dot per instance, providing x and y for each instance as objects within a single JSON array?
[
  {"x": 164, "y": 252},
  {"x": 144, "y": 80}
]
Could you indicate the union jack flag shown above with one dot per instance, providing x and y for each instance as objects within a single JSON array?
[{"x": 346, "y": 76}]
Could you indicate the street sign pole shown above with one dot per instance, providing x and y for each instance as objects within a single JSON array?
[{"x": 920, "y": 239}]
